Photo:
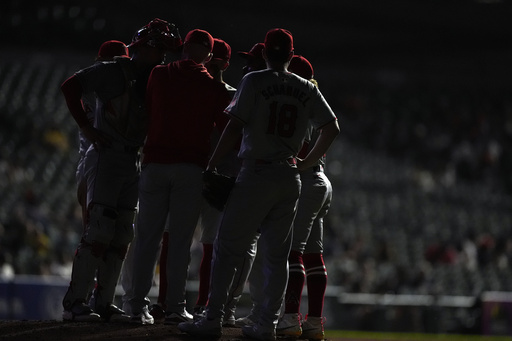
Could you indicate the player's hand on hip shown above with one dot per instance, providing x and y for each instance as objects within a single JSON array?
[
  {"x": 300, "y": 164},
  {"x": 97, "y": 138}
]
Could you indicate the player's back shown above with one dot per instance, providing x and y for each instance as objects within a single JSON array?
[
  {"x": 184, "y": 103},
  {"x": 276, "y": 107}
]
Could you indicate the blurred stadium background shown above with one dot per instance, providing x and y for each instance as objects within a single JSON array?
[{"x": 419, "y": 234}]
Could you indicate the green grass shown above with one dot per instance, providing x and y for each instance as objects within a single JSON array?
[{"x": 329, "y": 334}]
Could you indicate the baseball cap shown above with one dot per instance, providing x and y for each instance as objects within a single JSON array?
[
  {"x": 254, "y": 52},
  {"x": 301, "y": 67},
  {"x": 111, "y": 49},
  {"x": 200, "y": 37},
  {"x": 279, "y": 39},
  {"x": 221, "y": 49}
]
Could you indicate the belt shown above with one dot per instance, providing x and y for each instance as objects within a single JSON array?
[
  {"x": 318, "y": 168},
  {"x": 290, "y": 161}
]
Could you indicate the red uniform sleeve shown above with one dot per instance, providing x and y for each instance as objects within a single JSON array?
[{"x": 72, "y": 90}]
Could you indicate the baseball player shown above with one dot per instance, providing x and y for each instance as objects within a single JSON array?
[
  {"x": 272, "y": 108},
  {"x": 254, "y": 62},
  {"x": 111, "y": 166},
  {"x": 184, "y": 105},
  {"x": 209, "y": 216},
  {"x": 306, "y": 259},
  {"x": 254, "y": 59},
  {"x": 107, "y": 51}
]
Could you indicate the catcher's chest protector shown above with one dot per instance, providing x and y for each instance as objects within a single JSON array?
[{"x": 127, "y": 113}]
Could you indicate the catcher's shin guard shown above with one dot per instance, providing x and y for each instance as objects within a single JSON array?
[
  {"x": 112, "y": 261},
  {"x": 101, "y": 224},
  {"x": 85, "y": 264},
  {"x": 108, "y": 276}
]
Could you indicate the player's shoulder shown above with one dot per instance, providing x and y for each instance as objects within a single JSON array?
[
  {"x": 160, "y": 71},
  {"x": 103, "y": 69}
]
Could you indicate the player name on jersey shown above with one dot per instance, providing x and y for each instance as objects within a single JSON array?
[{"x": 286, "y": 90}]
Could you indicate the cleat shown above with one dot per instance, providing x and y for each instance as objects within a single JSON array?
[
  {"x": 260, "y": 332},
  {"x": 289, "y": 326},
  {"x": 112, "y": 313},
  {"x": 80, "y": 312},
  {"x": 199, "y": 312},
  {"x": 313, "y": 328},
  {"x": 203, "y": 327},
  {"x": 245, "y": 321},
  {"x": 158, "y": 313},
  {"x": 229, "y": 321},
  {"x": 178, "y": 317},
  {"x": 144, "y": 317}
]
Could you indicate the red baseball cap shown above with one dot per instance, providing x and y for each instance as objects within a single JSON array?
[
  {"x": 301, "y": 67},
  {"x": 279, "y": 39},
  {"x": 255, "y": 52},
  {"x": 112, "y": 48},
  {"x": 221, "y": 50},
  {"x": 200, "y": 37}
]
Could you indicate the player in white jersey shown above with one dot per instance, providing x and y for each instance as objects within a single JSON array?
[
  {"x": 306, "y": 256},
  {"x": 107, "y": 51},
  {"x": 111, "y": 166},
  {"x": 273, "y": 109}
]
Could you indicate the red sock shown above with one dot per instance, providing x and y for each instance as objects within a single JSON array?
[
  {"x": 316, "y": 276},
  {"x": 295, "y": 283},
  {"x": 204, "y": 274},
  {"x": 162, "y": 288}
]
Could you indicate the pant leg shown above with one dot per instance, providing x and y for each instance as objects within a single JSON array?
[
  {"x": 184, "y": 207},
  {"x": 274, "y": 246},
  {"x": 153, "y": 208}
]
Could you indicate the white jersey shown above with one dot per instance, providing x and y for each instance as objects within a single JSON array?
[
  {"x": 276, "y": 109},
  {"x": 119, "y": 110}
]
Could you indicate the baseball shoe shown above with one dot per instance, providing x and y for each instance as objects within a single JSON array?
[
  {"x": 260, "y": 332},
  {"x": 174, "y": 318},
  {"x": 229, "y": 321},
  {"x": 158, "y": 313},
  {"x": 199, "y": 312},
  {"x": 111, "y": 313},
  {"x": 80, "y": 312},
  {"x": 203, "y": 327},
  {"x": 313, "y": 328},
  {"x": 245, "y": 321},
  {"x": 289, "y": 325},
  {"x": 143, "y": 317}
]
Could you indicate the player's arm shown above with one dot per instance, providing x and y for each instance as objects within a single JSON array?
[
  {"x": 326, "y": 136},
  {"x": 228, "y": 140},
  {"x": 72, "y": 91}
]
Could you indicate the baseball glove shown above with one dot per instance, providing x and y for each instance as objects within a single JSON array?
[{"x": 216, "y": 188}]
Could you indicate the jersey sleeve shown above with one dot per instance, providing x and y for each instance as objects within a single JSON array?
[
  {"x": 322, "y": 113},
  {"x": 72, "y": 91},
  {"x": 243, "y": 100}
]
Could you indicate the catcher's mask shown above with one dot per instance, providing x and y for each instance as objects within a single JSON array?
[{"x": 159, "y": 34}]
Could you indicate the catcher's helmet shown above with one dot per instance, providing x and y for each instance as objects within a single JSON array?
[{"x": 158, "y": 33}]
